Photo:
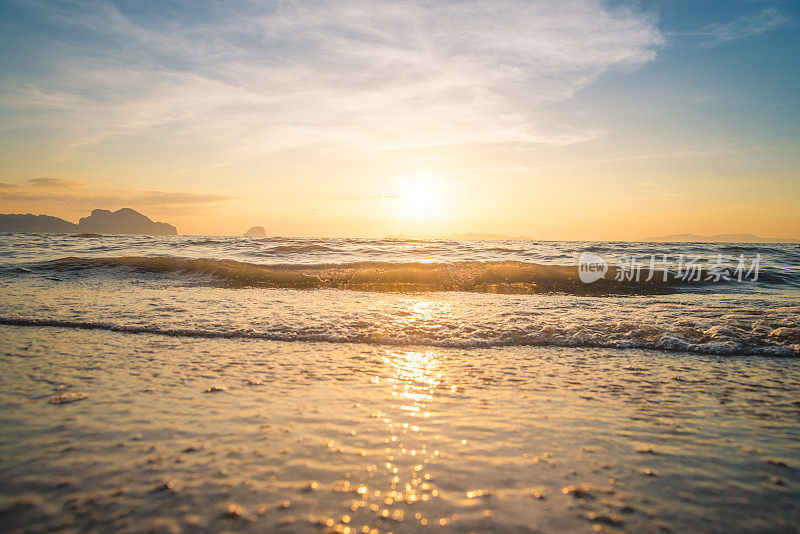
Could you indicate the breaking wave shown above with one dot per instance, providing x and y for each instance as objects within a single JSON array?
[
  {"x": 509, "y": 277},
  {"x": 716, "y": 341}
]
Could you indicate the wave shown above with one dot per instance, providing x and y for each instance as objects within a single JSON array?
[
  {"x": 662, "y": 341},
  {"x": 507, "y": 277},
  {"x": 299, "y": 249},
  {"x": 203, "y": 241}
]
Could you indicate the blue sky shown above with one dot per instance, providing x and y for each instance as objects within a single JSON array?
[{"x": 157, "y": 104}]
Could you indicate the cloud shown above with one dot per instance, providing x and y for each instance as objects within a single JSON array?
[
  {"x": 247, "y": 79},
  {"x": 6, "y": 185},
  {"x": 104, "y": 197},
  {"x": 160, "y": 198},
  {"x": 747, "y": 26},
  {"x": 55, "y": 182}
]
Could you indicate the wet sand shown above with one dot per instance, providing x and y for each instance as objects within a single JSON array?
[{"x": 109, "y": 431}]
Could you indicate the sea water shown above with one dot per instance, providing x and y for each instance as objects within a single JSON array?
[{"x": 191, "y": 383}]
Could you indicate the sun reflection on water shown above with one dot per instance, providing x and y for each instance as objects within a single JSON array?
[
  {"x": 402, "y": 481},
  {"x": 395, "y": 486},
  {"x": 416, "y": 375}
]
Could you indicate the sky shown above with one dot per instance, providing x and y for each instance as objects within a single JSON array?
[{"x": 569, "y": 119}]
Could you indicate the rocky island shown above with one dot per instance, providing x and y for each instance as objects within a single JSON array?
[
  {"x": 256, "y": 231},
  {"x": 123, "y": 221}
]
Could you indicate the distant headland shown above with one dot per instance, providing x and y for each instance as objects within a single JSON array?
[
  {"x": 718, "y": 238},
  {"x": 123, "y": 221}
]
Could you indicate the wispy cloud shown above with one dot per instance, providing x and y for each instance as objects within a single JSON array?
[
  {"x": 251, "y": 78},
  {"x": 57, "y": 190},
  {"x": 55, "y": 182},
  {"x": 749, "y": 25},
  {"x": 161, "y": 198}
]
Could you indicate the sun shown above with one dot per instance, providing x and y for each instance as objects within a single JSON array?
[{"x": 419, "y": 200}]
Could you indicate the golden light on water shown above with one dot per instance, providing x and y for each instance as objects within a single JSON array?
[
  {"x": 416, "y": 376},
  {"x": 404, "y": 479}
]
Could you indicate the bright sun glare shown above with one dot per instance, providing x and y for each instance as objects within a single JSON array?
[{"x": 419, "y": 200}]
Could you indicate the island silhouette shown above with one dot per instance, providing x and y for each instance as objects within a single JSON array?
[
  {"x": 256, "y": 231},
  {"x": 122, "y": 221}
]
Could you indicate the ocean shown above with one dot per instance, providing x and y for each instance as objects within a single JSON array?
[{"x": 189, "y": 383}]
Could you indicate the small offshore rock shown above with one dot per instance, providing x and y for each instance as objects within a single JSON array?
[{"x": 256, "y": 231}]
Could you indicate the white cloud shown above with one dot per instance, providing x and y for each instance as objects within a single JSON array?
[
  {"x": 747, "y": 26},
  {"x": 353, "y": 73}
]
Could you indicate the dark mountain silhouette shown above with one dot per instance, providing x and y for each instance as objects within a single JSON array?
[
  {"x": 256, "y": 231},
  {"x": 36, "y": 223},
  {"x": 124, "y": 221}
]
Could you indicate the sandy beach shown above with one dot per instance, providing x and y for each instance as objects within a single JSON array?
[{"x": 212, "y": 435}]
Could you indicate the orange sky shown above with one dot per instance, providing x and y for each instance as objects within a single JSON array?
[{"x": 554, "y": 121}]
